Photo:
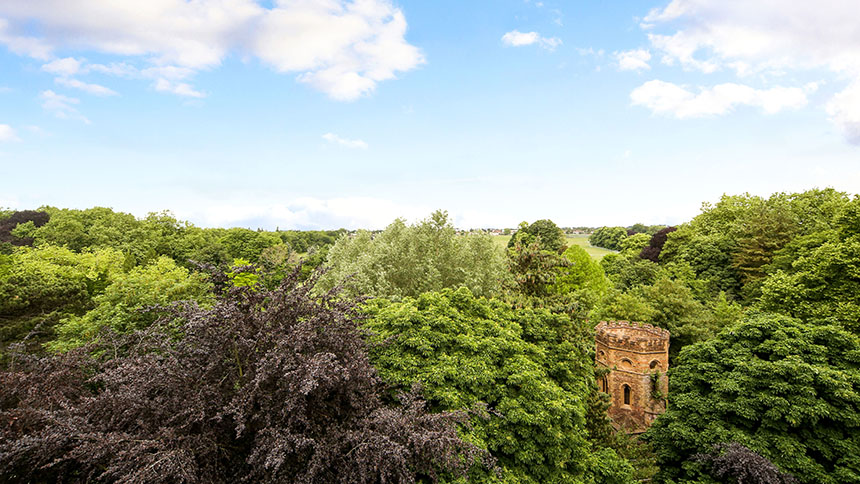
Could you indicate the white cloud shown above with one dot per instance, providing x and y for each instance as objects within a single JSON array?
[
  {"x": 633, "y": 60},
  {"x": 515, "y": 38},
  {"x": 844, "y": 111},
  {"x": 766, "y": 36},
  {"x": 95, "y": 89},
  {"x": 671, "y": 99},
  {"x": 178, "y": 88},
  {"x": 7, "y": 133},
  {"x": 63, "y": 107},
  {"x": 22, "y": 44},
  {"x": 341, "y": 47},
  {"x": 67, "y": 66},
  {"x": 349, "y": 143},
  {"x": 310, "y": 213},
  {"x": 763, "y": 34}
]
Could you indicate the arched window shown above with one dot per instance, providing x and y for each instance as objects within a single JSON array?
[
  {"x": 603, "y": 385},
  {"x": 655, "y": 364},
  {"x": 626, "y": 364},
  {"x": 626, "y": 395}
]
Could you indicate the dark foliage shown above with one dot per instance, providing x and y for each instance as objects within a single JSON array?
[
  {"x": 8, "y": 224},
  {"x": 735, "y": 463},
  {"x": 266, "y": 386},
  {"x": 652, "y": 251}
]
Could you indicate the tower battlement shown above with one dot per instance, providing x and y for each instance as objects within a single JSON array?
[
  {"x": 633, "y": 336},
  {"x": 637, "y": 356}
]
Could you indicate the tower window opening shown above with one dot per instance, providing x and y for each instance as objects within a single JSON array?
[{"x": 626, "y": 395}]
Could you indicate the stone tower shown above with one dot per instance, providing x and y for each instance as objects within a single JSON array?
[{"x": 637, "y": 356}]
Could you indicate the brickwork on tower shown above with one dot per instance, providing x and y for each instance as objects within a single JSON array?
[{"x": 637, "y": 356}]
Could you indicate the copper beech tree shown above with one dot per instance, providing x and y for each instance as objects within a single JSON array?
[{"x": 264, "y": 386}]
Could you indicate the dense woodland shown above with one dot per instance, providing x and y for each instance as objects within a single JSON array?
[{"x": 151, "y": 350}]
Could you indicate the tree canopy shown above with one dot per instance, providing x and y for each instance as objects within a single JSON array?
[
  {"x": 531, "y": 368},
  {"x": 788, "y": 390},
  {"x": 608, "y": 237},
  {"x": 544, "y": 232},
  {"x": 407, "y": 260},
  {"x": 264, "y": 386}
]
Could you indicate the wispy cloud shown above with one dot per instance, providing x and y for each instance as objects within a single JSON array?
[
  {"x": 62, "y": 106},
  {"x": 178, "y": 88},
  {"x": 668, "y": 98},
  {"x": 95, "y": 89},
  {"x": 349, "y": 143},
  {"x": 515, "y": 38}
]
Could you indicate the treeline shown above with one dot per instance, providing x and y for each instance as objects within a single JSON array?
[
  {"x": 420, "y": 354},
  {"x": 61, "y": 265},
  {"x": 613, "y": 238}
]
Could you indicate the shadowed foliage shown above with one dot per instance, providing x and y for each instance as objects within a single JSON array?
[
  {"x": 655, "y": 246},
  {"x": 8, "y": 225},
  {"x": 265, "y": 386},
  {"x": 735, "y": 463}
]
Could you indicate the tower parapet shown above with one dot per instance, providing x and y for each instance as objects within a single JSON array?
[{"x": 637, "y": 356}]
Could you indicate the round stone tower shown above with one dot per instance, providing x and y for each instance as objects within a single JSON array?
[{"x": 637, "y": 356}]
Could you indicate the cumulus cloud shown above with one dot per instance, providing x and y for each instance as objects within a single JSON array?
[
  {"x": 766, "y": 36},
  {"x": 349, "y": 143},
  {"x": 674, "y": 100},
  {"x": 633, "y": 60},
  {"x": 7, "y": 133},
  {"x": 515, "y": 38},
  {"x": 341, "y": 47},
  {"x": 62, "y": 106}
]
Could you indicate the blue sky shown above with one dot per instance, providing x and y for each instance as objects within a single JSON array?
[{"x": 330, "y": 113}]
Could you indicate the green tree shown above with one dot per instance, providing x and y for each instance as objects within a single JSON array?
[
  {"x": 532, "y": 369},
  {"x": 123, "y": 305},
  {"x": 582, "y": 277},
  {"x": 406, "y": 260},
  {"x": 545, "y": 232},
  {"x": 787, "y": 390},
  {"x": 623, "y": 306},
  {"x": 608, "y": 237},
  {"x": 634, "y": 244},
  {"x": 815, "y": 277},
  {"x": 41, "y": 280}
]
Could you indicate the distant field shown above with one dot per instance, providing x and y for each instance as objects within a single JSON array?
[{"x": 580, "y": 240}]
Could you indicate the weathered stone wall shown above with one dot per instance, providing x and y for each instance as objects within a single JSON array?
[{"x": 633, "y": 352}]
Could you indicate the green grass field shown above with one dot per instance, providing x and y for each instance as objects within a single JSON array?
[{"x": 581, "y": 240}]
